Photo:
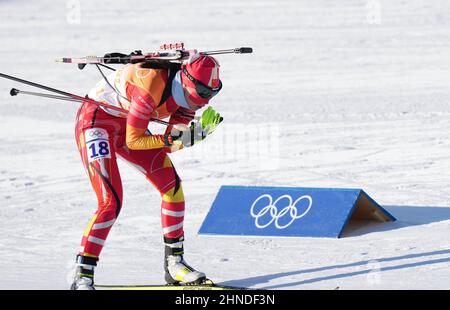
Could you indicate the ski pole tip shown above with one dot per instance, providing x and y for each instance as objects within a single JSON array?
[{"x": 14, "y": 92}]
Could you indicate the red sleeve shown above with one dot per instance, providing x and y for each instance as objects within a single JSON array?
[{"x": 141, "y": 108}]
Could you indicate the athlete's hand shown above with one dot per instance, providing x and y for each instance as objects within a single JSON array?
[
  {"x": 187, "y": 136},
  {"x": 172, "y": 143},
  {"x": 210, "y": 120}
]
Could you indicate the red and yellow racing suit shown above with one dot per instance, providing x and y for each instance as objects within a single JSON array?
[{"x": 103, "y": 135}]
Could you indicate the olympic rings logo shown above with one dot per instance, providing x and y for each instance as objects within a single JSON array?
[
  {"x": 97, "y": 133},
  {"x": 271, "y": 209}
]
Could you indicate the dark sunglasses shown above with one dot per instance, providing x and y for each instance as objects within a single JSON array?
[{"x": 203, "y": 90}]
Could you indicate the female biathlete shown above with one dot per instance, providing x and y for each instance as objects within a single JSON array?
[{"x": 103, "y": 135}]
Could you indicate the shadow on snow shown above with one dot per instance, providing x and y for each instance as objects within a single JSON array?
[{"x": 407, "y": 216}]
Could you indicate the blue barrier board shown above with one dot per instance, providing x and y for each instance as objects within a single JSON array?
[{"x": 288, "y": 211}]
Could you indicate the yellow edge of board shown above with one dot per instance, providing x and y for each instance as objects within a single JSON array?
[{"x": 163, "y": 288}]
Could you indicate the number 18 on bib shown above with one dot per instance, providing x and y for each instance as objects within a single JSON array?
[{"x": 97, "y": 144}]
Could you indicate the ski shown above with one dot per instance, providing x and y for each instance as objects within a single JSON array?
[
  {"x": 208, "y": 285},
  {"x": 168, "y": 287}
]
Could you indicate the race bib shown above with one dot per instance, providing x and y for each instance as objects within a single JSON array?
[{"x": 97, "y": 144}]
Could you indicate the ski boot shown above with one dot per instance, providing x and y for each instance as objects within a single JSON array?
[
  {"x": 177, "y": 271},
  {"x": 84, "y": 274}
]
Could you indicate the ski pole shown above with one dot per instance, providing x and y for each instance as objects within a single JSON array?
[
  {"x": 15, "y": 92},
  {"x": 57, "y": 91},
  {"x": 53, "y": 90},
  {"x": 65, "y": 96}
]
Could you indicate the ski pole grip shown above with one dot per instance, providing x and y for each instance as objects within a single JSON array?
[
  {"x": 14, "y": 92},
  {"x": 243, "y": 50}
]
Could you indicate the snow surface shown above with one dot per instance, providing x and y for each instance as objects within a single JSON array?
[{"x": 356, "y": 93}]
